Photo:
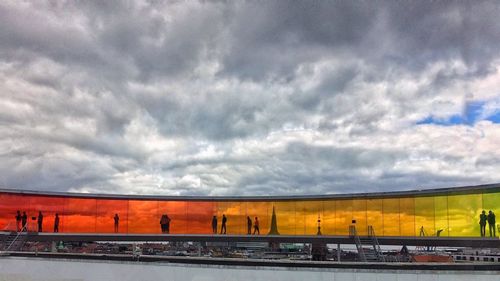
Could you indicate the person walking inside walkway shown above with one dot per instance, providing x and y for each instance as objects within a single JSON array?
[
  {"x": 492, "y": 223},
  {"x": 24, "y": 221},
  {"x": 18, "y": 220},
  {"x": 249, "y": 225},
  {"x": 116, "y": 218},
  {"x": 256, "y": 226},
  {"x": 40, "y": 221},
  {"x": 223, "y": 227},
  {"x": 56, "y": 223},
  {"x": 214, "y": 225},
  {"x": 482, "y": 223}
]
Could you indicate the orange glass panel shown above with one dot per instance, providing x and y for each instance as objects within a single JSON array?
[
  {"x": 9, "y": 205},
  {"x": 300, "y": 218},
  {"x": 106, "y": 210},
  {"x": 313, "y": 210},
  {"x": 143, "y": 217},
  {"x": 374, "y": 215},
  {"x": 424, "y": 216},
  {"x": 328, "y": 218},
  {"x": 391, "y": 216},
  {"x": 285, "y": 217},
  {"x": 359, "y": 215},
  {"x": 407, "y": 216},
  {"x": 262, "y": 210},
  {"x": 200, "y": 217},
  {"x": 235, "y": 213},
  {"x": 177, "y": 212},
  {"x": 78, "y": 216},
  {"x": 343, "y": 216},
  {"x": 49, "y": 206},
  {"x": 441, "y": 216}
]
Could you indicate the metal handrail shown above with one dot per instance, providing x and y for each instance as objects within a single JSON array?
[
  {"x": 359, "y": 246},
  {"x": 24, "y": 230},
  {"x": 376, "y": 245}
]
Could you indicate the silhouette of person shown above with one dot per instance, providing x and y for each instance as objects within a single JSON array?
[
  {"x": 116, "y": 218},
  {"x": 18, "y": 220},
  {"x": 24, "y": 220},
  {"x": 482, "y": 223},
  {"x": 214, "y": 225},
  {"x": 40, "y": 221},
  {"x": 249, "y": 225},
  {"x": 56, "y": 223},
  {"x": 223, "y": 227},
  {"x": 256, "y": 226},
  {"x": 491, "y": 223},
  {"x": 163, "y": 221}
]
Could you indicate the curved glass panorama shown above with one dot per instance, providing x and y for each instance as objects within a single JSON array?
[{"x": 453, "y": 212}]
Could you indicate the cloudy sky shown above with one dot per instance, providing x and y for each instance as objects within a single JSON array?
[{"x": 248, "y": 97}]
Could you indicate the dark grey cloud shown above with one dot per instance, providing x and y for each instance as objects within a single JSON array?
[{"x": 245, "y": 97}]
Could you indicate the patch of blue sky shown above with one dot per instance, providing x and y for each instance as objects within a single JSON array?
[{"x": 474, "y": 112}]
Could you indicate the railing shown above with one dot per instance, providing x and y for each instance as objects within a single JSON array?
[
  {"x": 376, "y": 245},
  {"x": 359, "y": 246}
]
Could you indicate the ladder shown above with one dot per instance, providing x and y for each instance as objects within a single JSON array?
[
  {"x": 367, "y": 246},
  {"x": 16, "y": 240}
]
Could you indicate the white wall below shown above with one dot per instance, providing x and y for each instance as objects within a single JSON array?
[{"x": 28, "y": 269}]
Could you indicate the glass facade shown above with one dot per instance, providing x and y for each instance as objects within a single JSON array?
[{"x": 444, "y": 214}]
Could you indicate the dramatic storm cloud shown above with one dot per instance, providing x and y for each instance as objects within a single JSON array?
[{"x": 248, "y": 98}]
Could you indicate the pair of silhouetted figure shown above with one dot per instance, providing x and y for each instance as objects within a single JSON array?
[
  {"x": 491, "y": 220},
  {"x": 21, "y": 221},
  {"x": 165, "y": 223},
  {"x": 223, "y": 228},
  {"x": 255, "y": 226}
]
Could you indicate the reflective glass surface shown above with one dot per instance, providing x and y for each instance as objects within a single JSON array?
[{"x": 444, "y": 215}]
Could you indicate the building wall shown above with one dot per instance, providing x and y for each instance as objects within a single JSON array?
[
  {"x": 30, "y": 269},
  {"x": 453, "y": 215}
]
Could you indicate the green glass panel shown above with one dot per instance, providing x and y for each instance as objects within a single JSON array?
[
  {"x": 441, "y": 216},
  {"x": 463, "y": 214}
]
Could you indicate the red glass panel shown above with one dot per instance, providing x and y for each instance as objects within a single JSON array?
[
  {"x": 79, "y": 215},
  {"x": 200, "y": 217},
  {"x": 9, "y": 205},
  {"x": 106, "y": 210},
  {"x": 49, "y": 206},
  {"x": 177, "y": 212},
  {"x": 143, "y": 217}
]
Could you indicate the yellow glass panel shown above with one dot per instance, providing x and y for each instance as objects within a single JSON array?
[
  {"x": 407, "y": 216},
  {"x": 463, "y": 214},
  {"x": 359, "y": 215},
  {"x": 374, "y": 214},
  {"x": 285, "y": 216},
  {"x": 441, "y": 216},
  {"x": 424, "y": 216},
  {"x": 328, "y": 218},
  {"x": 262, "y": 210},
  {"x": 312, "y": 212},
  {"x": 391, "y": 217},
  {"x": 343, "y": 216},
  {"x": 300, "y": 218},
  {"x": 236, "y": 217}
]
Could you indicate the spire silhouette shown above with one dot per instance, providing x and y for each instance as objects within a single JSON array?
[{"x": 274, "y": 225}]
